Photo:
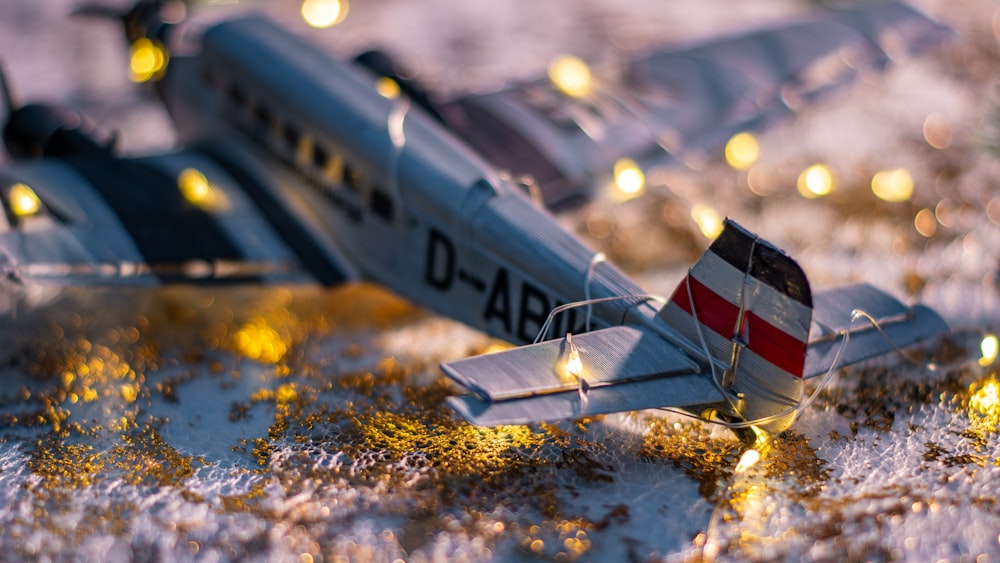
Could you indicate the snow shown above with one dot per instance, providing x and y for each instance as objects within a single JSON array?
[{"x": 135, "y": 427}]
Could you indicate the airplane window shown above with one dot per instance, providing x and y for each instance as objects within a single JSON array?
[
  {"x": 291, "y": 136},
  {"x": 381, "y": 204},
  {"x": 352, "y": 177},
  {"x": 236, "y": 95},
  {"x": 262, "y": 114},
  {"x": 319, "y": 157}
]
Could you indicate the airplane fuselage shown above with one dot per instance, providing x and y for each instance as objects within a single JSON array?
[{"x": 394, "y": 196}]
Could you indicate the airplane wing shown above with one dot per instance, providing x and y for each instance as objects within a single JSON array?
[
  {"x": 169, "y": 218},
  {"x": 665, "y": 105},
  {"x": 621, "y": 368},
  {"x": 895, "y": 327}
]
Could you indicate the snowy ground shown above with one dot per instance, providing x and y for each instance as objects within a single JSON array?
[{"x": 304, "y": 423}]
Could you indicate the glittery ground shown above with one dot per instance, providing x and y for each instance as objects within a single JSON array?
[{"x": 288, "y": 423}]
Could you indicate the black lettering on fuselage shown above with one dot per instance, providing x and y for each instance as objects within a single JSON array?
[
  {"x": 439, "y": 270},
  {"x": 498, "y": 303},
  {"x": 534, "y": 308}
]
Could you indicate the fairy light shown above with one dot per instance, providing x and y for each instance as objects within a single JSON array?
[
  {"x": 324, "y": 13},
  {"x": 198, "y": 191},
  {"x": 629, "y": 177},
  {"x": 147, "y": 60},
  {"x": 387, "y": 88},
  {"x": 742, "y": 151},
  {"x": 753, "y": 455},
  {"x": 23, "y": 200},
  {"x": 574, "y": 366},
  {"x": 815, "y": 181},
  {"x": 893, "y": 185},
  {"x": 989, "y": 348},
  {"x": 571, "y": 75},
  {"x": 708, "y": 220},
  {"x": 194, "y": 186},
  {"x": 747, "y": 461}
]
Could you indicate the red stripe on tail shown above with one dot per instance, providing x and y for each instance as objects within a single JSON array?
[{"x": 718, "y": 314}]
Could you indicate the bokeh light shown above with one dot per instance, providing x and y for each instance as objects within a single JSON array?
[
  {"x": 925, "y": 223},
  {"x": 629, "y": 178},
  {"x": 147, "y": 60},
  {"x": 989, "y": 348},
  {"x": 747, "y": 460},
  {"x": 387, "y": 88},
  {"x": 815, "y": 181},
  {"x": 742, "y": 151},
  {"x": 324, "y": 13},
  {"x": 937, "y": 131},
  {"x": 23, "y": 200},
  {"x": 571, "y": 75},
  {"x": 893, "y": 185},
  {"x": 193, "y": 185},
  {"x": 198, "y": 191},
  {"x": 708, "y": 220}
]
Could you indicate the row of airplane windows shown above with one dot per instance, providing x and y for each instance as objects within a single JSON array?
[{"x": 326, "y": 168}]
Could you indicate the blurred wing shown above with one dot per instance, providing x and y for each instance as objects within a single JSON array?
[
  {"x": 174, "y": 218},
  {"x": 669, "y": 104},
  {"x": 622, "y": 368},
  {"x": 899, "y": 326}
]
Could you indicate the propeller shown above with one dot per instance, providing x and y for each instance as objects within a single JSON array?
[
  {"x": 149, "y": 19},
  {"x": 35, "y": 130}
]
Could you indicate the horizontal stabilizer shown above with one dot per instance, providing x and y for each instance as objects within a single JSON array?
[
  {"x": 615, "y": 369},
  {"x": 672, "y": 391},
  {"x": 901, "y": 326}
]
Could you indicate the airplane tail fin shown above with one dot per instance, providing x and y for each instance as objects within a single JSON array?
[{"x": 747, "y": 306}]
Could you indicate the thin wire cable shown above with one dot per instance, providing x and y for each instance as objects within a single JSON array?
[
  {"x": 597, "y": 259},
  {"x": 548, "y": 321}
]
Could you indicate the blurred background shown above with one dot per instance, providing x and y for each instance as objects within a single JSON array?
[{"x": 279, "y": 423}]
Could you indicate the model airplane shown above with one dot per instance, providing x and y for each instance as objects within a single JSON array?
[{"x": 298, "y": 169}]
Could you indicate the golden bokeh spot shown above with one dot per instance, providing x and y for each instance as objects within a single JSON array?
[
  {"x": 387, "y": 88},
  {"x": 937, "y": 131},
  {"x": 893, "y": 185},
  {"x": 286, "y": 393},
  {"x": 747, "y": 460},
  {"x": 198, "y": 191},
  {"x": 925, "y": 223},
  {"x": 257, "y": 340},
  {"x": 23, "y": 201},
  {"x": 147, "y": 60},
  {"x": 324, "y": 13},
  {"x": 629, "y": 178},
  {"x": 708, "y": 220},
  {"x": 815, "y": 181},
  {"x": 988, "y": 348},
  {"x": 193, "y": 185},
  {"x": 129, "y": 393},
  {"x": 571, "y": 75},
  {"x": 742, "y": 151}
]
